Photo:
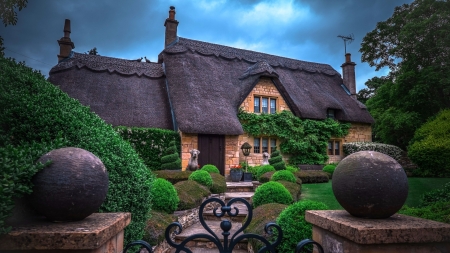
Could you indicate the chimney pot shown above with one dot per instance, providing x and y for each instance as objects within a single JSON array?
[
  {"x": 67, "y": 28},
  {"x": 65, "y": 44},
  {"x": 348, "y": 57},
  {"x": 171, "y": 27},
  {"x": 172, "y": 13}
]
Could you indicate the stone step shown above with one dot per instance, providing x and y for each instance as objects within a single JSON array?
[
  {"x": 245, "y": 195},
  {"x": 201, "y": 243},
  {"x": 209, "y": 215},
  {"x": 240, "y": 187}
]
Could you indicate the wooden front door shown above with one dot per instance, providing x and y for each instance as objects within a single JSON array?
[{"x": 212, "y": 151}]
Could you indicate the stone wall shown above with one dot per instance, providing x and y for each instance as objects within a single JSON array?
[
  {"x": 232, "y": 152},
  {"x": 358, "y": 132},
  {"x": 264, "y": 87},
  {"x": 188, "y": 142}
]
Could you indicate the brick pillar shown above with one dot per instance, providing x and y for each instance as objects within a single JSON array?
[{"x": 348, "y": 74}]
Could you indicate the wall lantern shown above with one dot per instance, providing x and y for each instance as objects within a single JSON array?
[{"x": 246, "y": 151}]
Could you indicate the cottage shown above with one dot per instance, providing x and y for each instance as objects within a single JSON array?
[{"x": 197, "y": 88}]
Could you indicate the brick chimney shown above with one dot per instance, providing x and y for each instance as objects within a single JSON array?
[
  {"x": 171, "y": 25},
  {"x": 65, "y": 44},
  {"x": 348, "y": 74}
]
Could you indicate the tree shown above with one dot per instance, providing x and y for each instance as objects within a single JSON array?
[
  {"x": 92, "y": 51},
  {"x": 8, "y": 15},
  {"x": 372, "y": 86},
  {"x": 415, "y": 45}
]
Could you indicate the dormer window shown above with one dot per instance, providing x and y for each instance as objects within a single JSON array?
[
  {"x": 264, "y": 104},
  {"x": 331, "y": 113}
]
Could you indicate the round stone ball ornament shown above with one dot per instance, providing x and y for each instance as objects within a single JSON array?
[
  {"x": 72, "y": 187},
  {"x": 370, "y": 184}
]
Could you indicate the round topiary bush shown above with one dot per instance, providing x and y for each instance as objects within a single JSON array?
[
  {"x": 202, "y": 177},
  {"x": 276, "y": 160},
  {"x": 263, "y": 169},
  {"x": 165, "y": 197},
  {"x": 294, "y": 189},
  {"x": 283, "y": 175},
  {"x": 210, "y": 168},
  {"x": 291, "y": 168},
  {"x": 171, "y": 159},
  {"x": 219, "y": 183},
  {"x": 264, "y": 178},
  {"x": 329, "y": 169},
  {"x": 295, "y": 227},
  {"x": 271, "y": 192},
  {"x": 191, "y": 194}
]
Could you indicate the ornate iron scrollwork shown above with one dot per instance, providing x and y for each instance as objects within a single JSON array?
[{"x": 228, "y": 243}]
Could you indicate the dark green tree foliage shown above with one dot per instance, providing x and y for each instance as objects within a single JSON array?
[
  {"x": 36, "y": 111},
  {"x": 305, "y": 140},
  {"x": 413, "y": 44},
  {"x": 8, "y": 15},
  {"x": 171, "y": 159},
  {"x": 92, "y": 51},
  {"x": 276, "y": 160},
  {"x": 430, "y": 147},
  {"x": 372, "y": 87},
  {"x": 150, "y": 143}
]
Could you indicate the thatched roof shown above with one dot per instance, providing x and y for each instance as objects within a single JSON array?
[
  {"x": 121, "y": 92},
  {"x": 208, "y": 82}
]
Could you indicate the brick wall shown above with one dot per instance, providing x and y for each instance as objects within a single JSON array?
[{"x": 232, "y": 152}]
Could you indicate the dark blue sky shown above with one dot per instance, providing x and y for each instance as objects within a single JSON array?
[{"x": 304, "y": 30}]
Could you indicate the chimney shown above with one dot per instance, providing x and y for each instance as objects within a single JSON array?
[
  {"x": 65, "y": 44},
  {"x": 348, "y": 74},
  {"x": 171, "y": 25}
]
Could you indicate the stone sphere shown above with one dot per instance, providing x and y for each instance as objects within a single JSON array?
[
  {"x": 72, "y": 187},
  {"x": 370, "y": 184}
]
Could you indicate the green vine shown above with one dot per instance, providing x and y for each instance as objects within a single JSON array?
[{"x": 304, "y": 139}]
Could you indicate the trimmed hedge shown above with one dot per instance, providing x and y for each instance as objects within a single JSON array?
[
  {"x": 219, "y": 184},
  {"x": 430, "y": 147},
  {"x": 165, "y": 197},
  {"x": 271, "y": 192},
  {"x": 295, "y": 227},
  {"x": 36, "y": 111},
  {"x": 291, "y": 168},
  {"x": 283, "y": 175},
  {"x": 276, "y": 160},
  {"x": 156, "y": 227},
  {"x": 294, "y": 189},
  {"x": 312, "y": 176},
  {"x": 437, "y": 195},
  {"x": 329, "y": 168},
  {"x": 150, "y": 143},
  {"x": 173, "y": 176},
  {"x": 191, "y": 194},
  {"x": 439, "y": 211},
  {"x": 390, "y": 150},
  {"x": 202, "y": 177},
  {"x": 171, "y": 159},
  {"x": 266, "y": 177},
  {"x": 210, "y": 168},
  {"x": 263, "y": 169}
]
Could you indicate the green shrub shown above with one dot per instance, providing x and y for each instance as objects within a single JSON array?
[
  {"x": 164, "y": 196},
  {"x": 271, "y": 192},
  {"x": 261, "y": 216},
  {"x": 266, "y": 177},
  {"x": 202, "y": 177},
  {"x": 292, "y": 222},
  {"x": 210, "y": 168},
  {"x": 312, "y": 176},
  {"x": 171, "y": 159},
  {"x": 390, "y": 150},
  {"x": 437, "y": 195},
  {"x": 291, "y": 168},
  {"x": 173, "y": 176},
  {"x": 36, "y": 111},
  {"x": 438, "y": 211},
  {"x": 431, "y": 145},
  {"x": 283, "y": 175},
  {"x": 253, "y": 170},
  {"x": 156, "y": 227},
  {"x": 276, "y": 160},
  {"x": 191, "y": 194},
  {"x": 294, "y": 189},
  {"x": 219, "y": 183},
  {"x": 329, "y": 168},
  {"x": 263, "y": 169},
  {"x": 149, "y": 143}
]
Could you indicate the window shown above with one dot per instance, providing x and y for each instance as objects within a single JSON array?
[
  {"x": 264, "y": 104},
  {"x": 334, "y": 147},
  {"x": 331, "y": 113},
  {"x": 264, "y": 144}
]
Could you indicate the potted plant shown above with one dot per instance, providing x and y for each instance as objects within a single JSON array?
[{"x": 236, "y": 173}]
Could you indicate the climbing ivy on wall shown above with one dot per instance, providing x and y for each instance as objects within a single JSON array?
[{"x": 304, "y": 140}]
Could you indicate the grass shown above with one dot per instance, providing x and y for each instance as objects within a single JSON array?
[{"x": 417, "y": 186}]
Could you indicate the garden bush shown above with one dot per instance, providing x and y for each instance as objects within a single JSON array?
[
  {"x": 191, "y": 194},
  {"x": 266, "y": 177},
  {"x": 173, "y": 176},
  {"x": 150, "y": 143},
  {"x": 263, "y": 169},
  {"x": 390, "y": 150},
  {"x": 253, "y": 170},
  {"x": 156, "y": 227},
  {"x": 164, "y": 196},
  {"x": 291, "y": 168},
  {"x": 283, "y": 175},
  {"x": 171, "y": 159},
  {"x": 271, "y": 192},
  {"x": 430, "y": 147},
  {"x": 210, "y": 168},
  {"x": 312, "y": 176},
  {"x": 294, "y": 189},
  {"x": 202, "y": 177},
  {"x": 292, "y": 222},
  {"x": 36, "y": 111},
  {"x": 219, "y": 183},
  {"x": 438, "y": 211},
  {"x": 437, "y": 195},
  {"x": 329, "y": 168},
  {"x": 276, "y": 160},
  {"x": 261, "y": 216}
]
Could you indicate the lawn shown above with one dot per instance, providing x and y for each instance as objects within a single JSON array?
[{"x": 417, "y": 186}]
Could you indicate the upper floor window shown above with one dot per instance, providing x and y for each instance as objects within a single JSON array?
[
  {"x": 331, "y": 113},
  {"x": 334, "y": 147},
  {"x": 264, "y": 144},
  {"x": 264, "y": 104}
]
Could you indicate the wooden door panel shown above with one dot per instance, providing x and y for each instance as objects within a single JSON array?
[{"x": 212, "y": 150}]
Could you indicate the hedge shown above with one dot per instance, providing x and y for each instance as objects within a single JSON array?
[{"x": 390, "y": 150}]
